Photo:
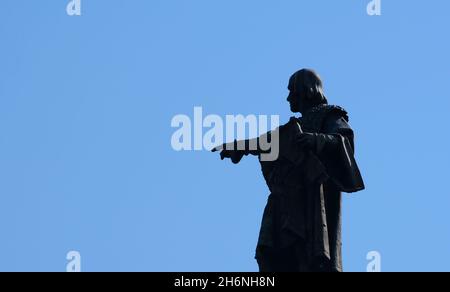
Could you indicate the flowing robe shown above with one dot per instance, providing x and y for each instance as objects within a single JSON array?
[{"x": 301, "y": 225}]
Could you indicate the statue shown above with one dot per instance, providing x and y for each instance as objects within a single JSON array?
[{"x": 301, "y": 225}]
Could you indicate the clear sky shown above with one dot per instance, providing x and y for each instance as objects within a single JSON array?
[{"x": 86, "y": 103}]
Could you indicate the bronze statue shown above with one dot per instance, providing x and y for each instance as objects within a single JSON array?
[{"x": 301, "y": 225}]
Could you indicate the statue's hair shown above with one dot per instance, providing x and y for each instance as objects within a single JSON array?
[{"x": 308, "y": 82}]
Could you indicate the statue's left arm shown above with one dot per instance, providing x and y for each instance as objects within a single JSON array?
[{"x": 335, "y": 149}]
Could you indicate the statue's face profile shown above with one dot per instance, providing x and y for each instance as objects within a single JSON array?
[
  {"x": 296, "y": 87},
  {"x": 305, "y": 91},
  {"x": 295, "y": 100}
]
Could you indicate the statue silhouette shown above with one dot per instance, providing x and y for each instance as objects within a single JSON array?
[{"x": 301, "y": 225}]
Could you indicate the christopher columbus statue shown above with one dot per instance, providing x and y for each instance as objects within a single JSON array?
[{"x": 301, "y": 225}]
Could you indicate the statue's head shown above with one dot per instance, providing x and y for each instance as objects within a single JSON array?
[{"x": 305, "y": 91}]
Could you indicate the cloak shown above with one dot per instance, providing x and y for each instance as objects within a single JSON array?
[{"x": 303, "y": 211}]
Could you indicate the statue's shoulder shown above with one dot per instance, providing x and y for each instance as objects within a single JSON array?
[
  {"x": 315, "y": 118},
  {"x": 326, "y": 110},
  {"x": 289, "y": 125}
]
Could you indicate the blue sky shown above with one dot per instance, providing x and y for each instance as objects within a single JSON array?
[{"x": 86, "y": 103}]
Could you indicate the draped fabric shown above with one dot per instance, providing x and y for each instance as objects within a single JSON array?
[{"x": 303, "y": 211}]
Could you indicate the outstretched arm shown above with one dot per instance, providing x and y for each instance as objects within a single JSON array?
[{"x": 238, "y": 149}]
